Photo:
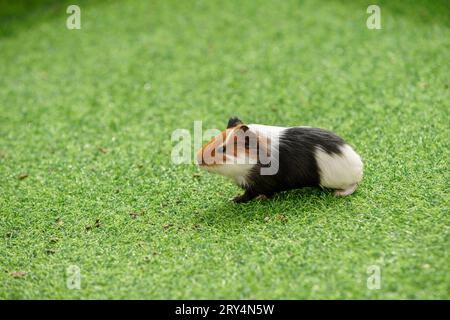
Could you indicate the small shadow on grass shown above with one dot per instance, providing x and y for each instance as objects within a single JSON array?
[{"x": 282, "y": 207}]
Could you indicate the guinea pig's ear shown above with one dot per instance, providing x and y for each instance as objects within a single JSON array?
[
  {"x": 233, "y": 122},
  {"x": 244, "y": 128}
]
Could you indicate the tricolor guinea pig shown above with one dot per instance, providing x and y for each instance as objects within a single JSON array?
[{"x": 264, "y": 159}]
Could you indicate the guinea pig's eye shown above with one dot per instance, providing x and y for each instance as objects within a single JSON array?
[{"x": 222, "y": 149}]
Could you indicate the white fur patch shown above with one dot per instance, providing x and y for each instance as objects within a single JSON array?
[
  {"x": 339, "y": 171},
  {"x": 237, "y": 172},
  {"x": 268, "y": 131},
  {"x": 270, "y": 160},
  {"x": 273, "y": 133}
]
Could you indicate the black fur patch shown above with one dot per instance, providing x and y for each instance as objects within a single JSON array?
[
  {"x": 233, "y": 122},
  {"x": 297, "y": 163},
  {"x": 312, "y": 137}
]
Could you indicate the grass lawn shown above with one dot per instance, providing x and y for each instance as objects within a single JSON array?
[{"x": 86, "y": 177}]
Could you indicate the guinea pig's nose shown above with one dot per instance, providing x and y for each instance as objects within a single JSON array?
[{"x": 200, "y": 161}]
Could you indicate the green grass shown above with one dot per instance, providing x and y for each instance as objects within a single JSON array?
[{"x": 88, "y": 115}]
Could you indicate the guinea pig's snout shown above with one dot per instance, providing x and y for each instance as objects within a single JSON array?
[
  {"x": 205, "y": 159},
  {"x": 200, "y": 161}
]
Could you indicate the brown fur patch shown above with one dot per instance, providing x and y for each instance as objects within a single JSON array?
[{"x": 206, "y": 155}]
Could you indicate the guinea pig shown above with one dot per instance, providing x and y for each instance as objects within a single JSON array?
[{"x": 264, "y": 159}]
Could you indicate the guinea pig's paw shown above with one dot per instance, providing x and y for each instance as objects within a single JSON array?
[
  {"x": 239, "y": 199},
  {"x": 242, "y": 198},
  {"x": 345, "y": 192},
  {"x": 247, "y": 196}
]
